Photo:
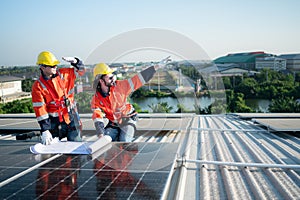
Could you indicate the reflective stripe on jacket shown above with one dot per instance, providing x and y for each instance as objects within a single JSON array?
[
  {"x": 43, "y": 102},
  {"x": 115, "y": 106}
]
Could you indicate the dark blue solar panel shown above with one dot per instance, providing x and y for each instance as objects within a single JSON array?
[{"x": 125, "y": 170}]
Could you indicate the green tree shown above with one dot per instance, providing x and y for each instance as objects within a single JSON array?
[
  {"x": 267, "y": 75},
  {"x": 27, "y": 85},
  {"x": 1, "y": 109},
  {"x": 83, "y": 100},
  {"x": 138, "y": 108},
  {"x": 198, "y": 109},
  {"x": 18, "y": 106},
  {"x": 190, "y": 71},
  {"x": 227, "y": 82},
  {"x": 285, "y": 105},
  {"x": 218, "y": 107},
  {"x": 161, "y": 107},
  {"x": 295, "y": 92},
  {"x": 181, "y": 109},
  {"x": 248, "y": 87},
  {"x": 236, "y": 103}
]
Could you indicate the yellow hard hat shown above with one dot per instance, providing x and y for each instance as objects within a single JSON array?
[
  {"x": 47, "y": 58},
  {"x": 103, "y": 69}
]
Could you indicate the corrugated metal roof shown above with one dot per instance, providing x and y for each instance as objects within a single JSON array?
[
  {"x": 239, "y": 58},
  {"x": 235, "y": 71},
  {"x": 228, "y": 158}
]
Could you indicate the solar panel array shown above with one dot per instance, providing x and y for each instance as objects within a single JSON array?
[{"x": 121, "y": 171}]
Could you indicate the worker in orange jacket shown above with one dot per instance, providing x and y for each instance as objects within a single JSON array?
[
  {"x": 110, "y": 99},
  {"x": 53, "y": 98}
]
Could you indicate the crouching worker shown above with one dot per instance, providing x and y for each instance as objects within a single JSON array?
[
  {"x": 53, "y": 98},
  {"x": 110, "y": 99}
]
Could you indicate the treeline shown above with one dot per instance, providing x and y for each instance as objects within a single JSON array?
[
  {"x": 20, "y": 71},
  {"x": 283, "y": 90},
  {"x": 17, "y": 106},
  {"x": 267, "y": 84}
]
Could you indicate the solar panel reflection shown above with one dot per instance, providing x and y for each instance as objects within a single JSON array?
[{"x": 125, "y": 170}]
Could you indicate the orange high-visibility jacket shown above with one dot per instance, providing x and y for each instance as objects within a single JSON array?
[
  {"x": 115, "y": 105},
  {"x": 44, "y": 104}
]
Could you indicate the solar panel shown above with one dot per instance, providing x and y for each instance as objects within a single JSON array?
[
  {"x": 124, "y": 170},
  {"x": 15, "y": 157}
]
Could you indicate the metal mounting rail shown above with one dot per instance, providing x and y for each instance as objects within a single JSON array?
[
  {"x": 234, "y": 130},
  {"x": 240, "y": 164}
]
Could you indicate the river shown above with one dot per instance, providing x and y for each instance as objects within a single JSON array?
[{"x": 189, "y": 102}]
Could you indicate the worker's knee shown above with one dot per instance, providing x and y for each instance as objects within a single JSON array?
[
  {"x": 127, "y": 132},
  {"x": 113, "y": 133}
]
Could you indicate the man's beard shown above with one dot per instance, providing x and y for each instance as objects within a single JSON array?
[{"x": 110, "y": 84}]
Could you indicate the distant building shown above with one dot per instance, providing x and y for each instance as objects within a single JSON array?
[
  {"x": 242, "y": 60},
  {"x": 11, "y": 89},
  {"x": 271, "y": 62},
  {"x": 292, "y": 61},
  {"x": 226, "y": 70},
  {"x": 119, "y": 67}
]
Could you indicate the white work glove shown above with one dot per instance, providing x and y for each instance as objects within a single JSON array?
[
  {"x": 163, "y": 63},
  {"x": 70, "y": 59},
  {"x": 46, "y": 137},
  {"x": 76, "y": 62}
]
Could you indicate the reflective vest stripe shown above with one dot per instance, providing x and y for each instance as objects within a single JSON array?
[
  {"x": 98, "y": 120},
  {"x": 54, "y": 114},
  {"x": 43, "y": 86},
  {"x": 131, "y": 84},
  {"x": 60, "y": 75},
  {"x": 43, "y": 117},
  {"x": 96, "y": 109},
  {"x": 71, "y": 91},
  {"x": 141, "y": 78},
  {"x": 38, "y": 104}
]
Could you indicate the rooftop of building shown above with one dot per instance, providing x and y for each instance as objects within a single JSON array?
[
  {"x": 6, "y": 78},
  {"x": 290, "y": 56},
  {"x": 247, "y": 57},
  {"x": 173, "y": 156}
]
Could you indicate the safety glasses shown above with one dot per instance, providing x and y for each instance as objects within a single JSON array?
[
  {"x": 111, "y": 77},
  {"x": 50, "y": 66}
]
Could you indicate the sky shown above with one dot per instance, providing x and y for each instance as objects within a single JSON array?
[{"x": 78, "y": 27}]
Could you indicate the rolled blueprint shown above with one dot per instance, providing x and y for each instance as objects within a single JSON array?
[{"x": 101, "y": 142}]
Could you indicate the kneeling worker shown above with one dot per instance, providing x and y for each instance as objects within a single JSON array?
[{"x": 110, "y": 99}]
